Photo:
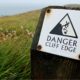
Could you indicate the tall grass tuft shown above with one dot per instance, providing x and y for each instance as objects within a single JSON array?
[{"x": 16, "y": 34}]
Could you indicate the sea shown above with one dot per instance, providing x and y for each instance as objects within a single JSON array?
[{"x": 13, "y": 10}]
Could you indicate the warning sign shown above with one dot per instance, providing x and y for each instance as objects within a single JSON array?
[
  {"x": 65, "y": 28},
  {"x": 60, "y": 33}
]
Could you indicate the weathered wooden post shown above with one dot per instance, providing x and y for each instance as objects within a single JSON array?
[{"x": 55, "y": 52}]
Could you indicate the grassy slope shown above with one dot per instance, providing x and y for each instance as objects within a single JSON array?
[{"x": 15, "y": 48}]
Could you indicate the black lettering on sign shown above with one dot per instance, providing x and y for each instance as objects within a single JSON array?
[{"x": 62, "y": 43}]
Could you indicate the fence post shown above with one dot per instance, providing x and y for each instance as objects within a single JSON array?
[{"x": 46, "y": 63}]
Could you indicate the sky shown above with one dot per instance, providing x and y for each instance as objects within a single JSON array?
[
  {"x": 54, "y": 2},
  {"x": 18, "y": 6}
]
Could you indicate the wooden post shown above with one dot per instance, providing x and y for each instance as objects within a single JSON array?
[{"x": 45, "y": 66}]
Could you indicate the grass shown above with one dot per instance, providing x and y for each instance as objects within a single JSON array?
[{"x": 16, "y": 34}]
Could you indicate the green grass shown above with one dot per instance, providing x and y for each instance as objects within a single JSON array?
[{"x": 15, "y": 48}]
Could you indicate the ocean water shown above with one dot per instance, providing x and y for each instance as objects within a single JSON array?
[{"x": 13, "y": 10}]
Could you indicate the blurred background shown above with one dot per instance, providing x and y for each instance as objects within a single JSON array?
[
  {"x": 18, "y": 21},
  {"x": 11, "y": 7}
]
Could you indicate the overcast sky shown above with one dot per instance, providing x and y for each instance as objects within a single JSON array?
[
  {"x": 11, "y": 6},
  {"x": 30, "y": 2}
]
